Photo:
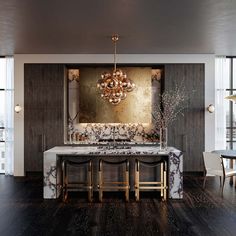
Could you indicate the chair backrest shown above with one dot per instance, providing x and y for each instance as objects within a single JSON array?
[{"x": 213, "y": 163}]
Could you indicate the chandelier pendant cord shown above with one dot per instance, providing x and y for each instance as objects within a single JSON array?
[
  {"x": 115, "y": 58},
  {"x": 114, "y": 39}
]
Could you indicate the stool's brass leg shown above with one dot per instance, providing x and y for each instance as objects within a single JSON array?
[
  {"x": 165, "y": 188},
  {"x": 90, "y": 186},
  {"x": 162, "y": 181},
  {"x": 127, "y": 189},
  {"x": 65, "y": 195},
  {"x": 100, "y": 185},
  {"x": 91, "y": 180},
  {"x": 137, "y": 181},
  {"x": 63, "y": 180},
  {"x": 137, "y": 187},
  {"x": 165, "y": 183}
]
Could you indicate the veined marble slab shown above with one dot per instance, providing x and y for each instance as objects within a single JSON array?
[{"x": 52, "y": 171}]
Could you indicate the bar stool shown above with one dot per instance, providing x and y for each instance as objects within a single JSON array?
[
  {"x": 66, "y": 185},
  {"x": 122, "y": 185},
  {"x": 158, "y": 185}
]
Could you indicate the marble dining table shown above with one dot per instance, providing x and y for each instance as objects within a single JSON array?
[{"x": 52, "y": 163}]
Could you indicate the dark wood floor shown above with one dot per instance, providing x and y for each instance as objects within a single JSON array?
[{"x": 24, "y": 212}]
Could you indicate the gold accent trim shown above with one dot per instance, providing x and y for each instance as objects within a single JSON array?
[{"x": 162, "y": 184}]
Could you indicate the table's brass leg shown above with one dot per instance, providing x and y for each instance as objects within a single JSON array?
[
  {"x": 231, "y": 165},
  {"x": 233, "y": 178}
]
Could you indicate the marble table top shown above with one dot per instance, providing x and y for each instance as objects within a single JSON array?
[{"x": 111, "y": 150}]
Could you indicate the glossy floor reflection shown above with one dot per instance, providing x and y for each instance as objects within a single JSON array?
[{"x": 24, "y": 212}]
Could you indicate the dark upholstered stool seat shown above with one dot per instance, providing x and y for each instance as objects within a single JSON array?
[
  {"x": 66, "y": 185},
  {"x": 119, "y": 185},
  {"x": 158, "y": 185}
]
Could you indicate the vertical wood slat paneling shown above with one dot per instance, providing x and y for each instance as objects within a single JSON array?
[
  {"x": 187, "y": 132},
  {"x": 43, "y": 111}
]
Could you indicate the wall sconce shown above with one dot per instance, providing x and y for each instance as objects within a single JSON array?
[
  {"x": 211, "y": 108},
  {"x": 18, "y": 108},
  {"x": 73, "y": 74}
]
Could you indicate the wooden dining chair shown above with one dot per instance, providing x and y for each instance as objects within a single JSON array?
[{"x": 214, "y": 166}]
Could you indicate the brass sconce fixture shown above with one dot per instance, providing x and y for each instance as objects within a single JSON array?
[
  {"x": 73, "y": 74},
  {"x": 114, "y": 85},
  {"x": 211, "y": 108},
  {"x": 18, "y": 108}
]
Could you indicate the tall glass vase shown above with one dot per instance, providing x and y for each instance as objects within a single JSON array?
[{"x": 163, "y": 139}]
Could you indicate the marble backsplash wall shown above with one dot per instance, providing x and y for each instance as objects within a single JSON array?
[
  {"x": 121, "y": 130},
  {"x": 104, "y": 132}
]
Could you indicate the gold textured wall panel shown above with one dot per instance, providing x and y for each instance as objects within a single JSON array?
[{"x": 136, "y": 108}]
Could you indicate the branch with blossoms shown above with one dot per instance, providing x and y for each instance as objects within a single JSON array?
[{"x": 170, "y": 106}]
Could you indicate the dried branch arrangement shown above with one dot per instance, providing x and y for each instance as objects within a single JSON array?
[{"x": 171, "y": 105}]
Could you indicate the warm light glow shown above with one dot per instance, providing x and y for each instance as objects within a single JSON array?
[
  {"x": 113, "y": 86},
  {"x": 18, "y": 108},
  {"x": 73, "y": 74},
  {"x": 211, "y": 108}
]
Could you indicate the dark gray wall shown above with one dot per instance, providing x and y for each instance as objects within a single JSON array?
[
  {"x": 188, "y": 132},
  {"x": 43, "y": 111}
]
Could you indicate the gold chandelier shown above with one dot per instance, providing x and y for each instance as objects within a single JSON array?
[{"x": 113, "y": 86}]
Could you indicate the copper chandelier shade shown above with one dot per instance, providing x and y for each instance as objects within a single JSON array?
[{"x": 115, "y": 85}]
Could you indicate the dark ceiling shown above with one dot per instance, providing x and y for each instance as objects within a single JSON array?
[{"x": 145, "y": 26}]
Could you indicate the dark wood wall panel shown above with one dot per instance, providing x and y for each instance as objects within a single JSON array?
[
  {"x": 44, "y": 106},
  {"x": 188, "y": 132},
  {"x": 43, "y": 111}
]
